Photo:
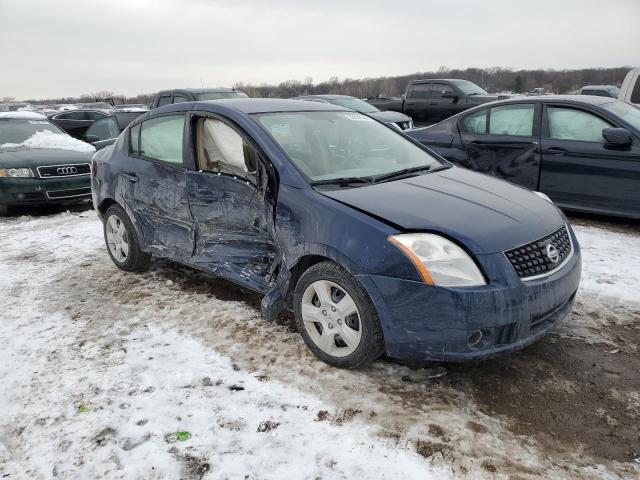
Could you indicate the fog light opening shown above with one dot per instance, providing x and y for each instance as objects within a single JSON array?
[{"x": 474, "y": 339}]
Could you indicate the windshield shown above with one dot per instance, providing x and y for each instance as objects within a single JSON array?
[
  {"x": 470, "y": 88},
  {"x": 17, "y": 131},
  {"x": 626, "y": 112},
  {"x": 337, "y": 145},
  {"x": 219, "y": 95},
  {"x": 354, "y": 104}
]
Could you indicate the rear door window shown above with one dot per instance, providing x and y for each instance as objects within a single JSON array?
[
  {"x": 179, "y": 98},
  {"x": 103, "y": 129},
  {"x": 515, "y": 120},
  {"x": 573, "y": 124},
  {"x": 635, "y": 94},
  {"x": 475, "y": 123},
  {"x": 420, "y": 91},
  {"x": 164, "y": 100},
  {"x": 161, "y": 138}
]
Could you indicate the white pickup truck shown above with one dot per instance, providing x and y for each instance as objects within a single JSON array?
[{"x": 630, "y": 90}]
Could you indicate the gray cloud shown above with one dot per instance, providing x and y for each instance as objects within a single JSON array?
[{"x": 68, "y": 47}]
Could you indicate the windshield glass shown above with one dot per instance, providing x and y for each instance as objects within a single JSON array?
[
  {"x": 628, "y": 113},
  {"x": 219, "y": 95},
  {"x": 354, "y": 104},
  {"x": 469, "y": 88},
  {"x": 333, "y": 145},
  {"x": 17, "y": 131}
]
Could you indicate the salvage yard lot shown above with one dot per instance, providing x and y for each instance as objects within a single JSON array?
[{"x": 101, "y": 368}]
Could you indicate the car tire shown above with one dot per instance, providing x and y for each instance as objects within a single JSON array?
[
  {"x": 323, "y": 320},
  {"x": 122, "y": 241}
]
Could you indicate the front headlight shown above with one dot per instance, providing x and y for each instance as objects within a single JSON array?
[
  {"x": 15, "y": 172},
  {"x": 438, "y": 260}
]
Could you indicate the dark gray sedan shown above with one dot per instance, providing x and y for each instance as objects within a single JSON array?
[
  {"x": 582, "y": 151},
  {"x": 395, "y": 119}
]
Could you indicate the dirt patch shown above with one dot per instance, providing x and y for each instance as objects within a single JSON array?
[{"x": 566, "y": 393}]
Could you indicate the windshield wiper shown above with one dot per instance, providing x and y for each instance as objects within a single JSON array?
[
  {"x": 342, "y": 181},
  {"x": 404, "y": 171}
]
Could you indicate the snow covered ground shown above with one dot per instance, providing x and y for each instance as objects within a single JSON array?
[{"x": 172, "y": 374}]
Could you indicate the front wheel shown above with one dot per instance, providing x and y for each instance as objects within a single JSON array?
[
  {"x": 122, "y": 241},
  {"x": 336, "y": 318}
]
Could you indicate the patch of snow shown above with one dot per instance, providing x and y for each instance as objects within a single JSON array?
[
  {"x": 48, "y": 139},
  {"x": 610, "y": 263},
  {"x": 23, "y": 115},
  {"x": 105, "y": 400}
]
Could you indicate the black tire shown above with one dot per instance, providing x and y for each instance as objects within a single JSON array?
[
  {"x": 371, "y": 344},
  {"x": 136, "y": 260}
]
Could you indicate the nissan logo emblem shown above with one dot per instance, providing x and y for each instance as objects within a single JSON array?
[
  {"x": 552, "y": 253},
  {"x": 66, "y": 170}
]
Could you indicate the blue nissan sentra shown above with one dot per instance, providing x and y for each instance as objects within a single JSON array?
[{"x": 373, "y": 241}]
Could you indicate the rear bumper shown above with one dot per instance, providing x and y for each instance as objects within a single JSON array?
[
  {"x": 423, "y": 322},
  {"x": 36, "y": 191}
]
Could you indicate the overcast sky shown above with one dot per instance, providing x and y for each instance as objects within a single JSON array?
[{"x": 68, "y": 47}]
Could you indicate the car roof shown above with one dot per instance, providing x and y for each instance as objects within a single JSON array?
[
  {"x": 590, "y": 99},
  {"x": 453, "y": 80},
  {"x": 22, "y": 116},
  {"x": 599, "y": 87},
  {"x": 329, "y": 96},
  {"x": 268, "y": 105},
  {"x": 198, "y": 90}
]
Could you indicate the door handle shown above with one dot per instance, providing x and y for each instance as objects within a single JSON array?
[
  {"x": 556, "y": 151},
  {"x": 132, "y": 177}
]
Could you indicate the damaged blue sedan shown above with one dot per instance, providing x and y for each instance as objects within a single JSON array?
[{"x": 374, "y": 242}]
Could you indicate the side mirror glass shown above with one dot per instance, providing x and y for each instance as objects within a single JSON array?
[
  {"x": 450, "y": 95},
  {"x": 617, "y": 136},
  {"x": 91, "y": 138}
]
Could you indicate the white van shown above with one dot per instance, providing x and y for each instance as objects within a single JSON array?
[{"x": 630, "y": 90}]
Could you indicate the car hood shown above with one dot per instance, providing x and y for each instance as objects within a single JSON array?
[
  {"x": 390, "y": 116},
  {"x": 35, "y": 157},
  {"x": 485, "y": 214}
]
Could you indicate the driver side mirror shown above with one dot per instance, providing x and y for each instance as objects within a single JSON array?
[
  {"x": 91, "y": 138},
  {"x": 617, "y": 136},
  {"x": 450, "y": 95}
]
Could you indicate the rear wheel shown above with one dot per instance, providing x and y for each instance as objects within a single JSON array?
[
  {"x": 336, "y": 318},
  {"x": 122, "y": 241}
]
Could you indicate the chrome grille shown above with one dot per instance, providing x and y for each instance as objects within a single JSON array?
[{"x": 70, "y": 170}]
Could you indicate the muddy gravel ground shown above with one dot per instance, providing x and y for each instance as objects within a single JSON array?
[{"x": 566, "y": 407}]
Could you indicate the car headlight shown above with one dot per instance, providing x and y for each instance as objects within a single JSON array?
[
  {"x": 543, "y": 195},
  {"x": 16, "y": 172},
  {"x": 438, "y": 260}
]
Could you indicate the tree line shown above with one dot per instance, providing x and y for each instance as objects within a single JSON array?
[{"x": 495, "y": 79}]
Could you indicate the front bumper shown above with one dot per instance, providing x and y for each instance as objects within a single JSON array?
[
  {"x": 424, "y": 322},
  {"x": 36, "y": 191}
]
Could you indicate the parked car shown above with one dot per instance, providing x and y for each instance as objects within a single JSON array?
[
  {"x": 179, "y": 95},
  {"x": 610, "y": 91},
  {"x": 583, "y": 152},
  {"x": 394, "y": 119},
  {"x": 105, "y": 131},
  {"x": 430, "y": 101},
  {"x": 76, "y": 122},
  {"x": 322, "y": 210},
  {"x": 39, "y": 163},
  {"x": 630, "y": 90}
]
